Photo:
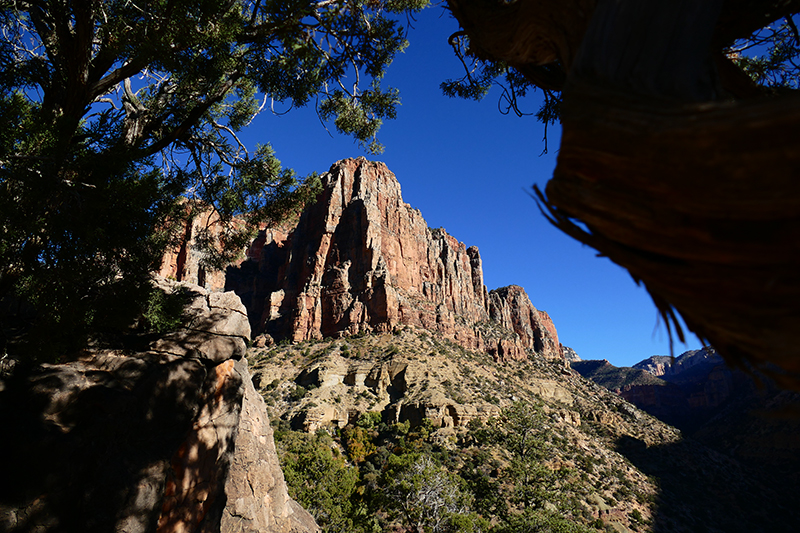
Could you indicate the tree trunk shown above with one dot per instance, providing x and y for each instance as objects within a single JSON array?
[{"x": 696, "y": 196}]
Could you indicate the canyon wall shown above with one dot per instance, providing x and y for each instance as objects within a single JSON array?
[{"x": 362, "y": 260}]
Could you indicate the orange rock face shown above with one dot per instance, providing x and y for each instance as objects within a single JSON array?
[
  {"x": 184, "y": 263},
  {"x": 511, "y": 307},
  {"x": 360, "y": 259}
]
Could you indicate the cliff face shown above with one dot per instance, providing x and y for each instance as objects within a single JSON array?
[
  {"x": 184, "y": 262},
  {"x": 362, "y": 260},
  {"x": 169, "y": 439}
]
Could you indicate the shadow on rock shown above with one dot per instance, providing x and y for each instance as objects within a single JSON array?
[{"x": 99, "y": 444}]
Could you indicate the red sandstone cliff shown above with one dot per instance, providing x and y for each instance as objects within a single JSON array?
[
  {"x": 184, "y": 263},
  {"x": 361, "y": 259},
  {"x": 511, "y": 307}
]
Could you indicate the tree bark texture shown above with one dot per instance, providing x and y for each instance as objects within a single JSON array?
[
  {"x": 661, "y": 170},
  {"x": 526, "y": 32},
  {"x": 702, "y": 204}
]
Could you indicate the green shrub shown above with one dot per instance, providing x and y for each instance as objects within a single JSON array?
[
  {"x": 164, "y": 310},
  {"x": 298, "y": 393},
  {"x": 369, "y": 420}
]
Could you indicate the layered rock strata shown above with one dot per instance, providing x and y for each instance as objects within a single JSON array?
[
  {"x": 170, "y": 439},
  {"x": 362, "y": 260}
]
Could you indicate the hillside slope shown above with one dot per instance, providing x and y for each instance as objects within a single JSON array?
[
  {"x": 609, "y": 464},
  {"x": 742, "y": 416}
]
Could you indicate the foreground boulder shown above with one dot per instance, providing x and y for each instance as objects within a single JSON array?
[{"x": 168, "y": 439}]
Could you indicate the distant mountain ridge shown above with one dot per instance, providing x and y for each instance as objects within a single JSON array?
[
  {"x": 665, "y": 366},
  {"x": 614, "y": 378},
  {"x": 724, "y": 408},
  {"x": 680, "y": 390}
]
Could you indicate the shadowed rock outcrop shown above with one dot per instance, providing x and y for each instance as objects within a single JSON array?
[
  {"x": 362, "y": 260},
  {"x": 158, "y": 440}
]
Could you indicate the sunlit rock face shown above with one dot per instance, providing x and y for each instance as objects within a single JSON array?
[
  {"x": 511, "y": 307},
  {"x": 362, "y": 260}
]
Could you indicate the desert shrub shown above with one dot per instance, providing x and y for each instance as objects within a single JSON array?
[
  {"x": 298, "y": 393},
  {"x": 321, "y": 481},
  {"x": 358, "y": 443}
]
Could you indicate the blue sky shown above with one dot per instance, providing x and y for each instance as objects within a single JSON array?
[{"x": 470, "y": 169}]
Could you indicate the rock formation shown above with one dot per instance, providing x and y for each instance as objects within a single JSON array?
[
  {"x": 255, "y": 491},
  {"x": 394, "y": 386},
  {"x": 570, "y": 355},
  {"x": 169, "y": 439},
  {"x": 511, "y": 307},
  {"x": 184, "y": 263},
  {"x": 362, "y": 260}
]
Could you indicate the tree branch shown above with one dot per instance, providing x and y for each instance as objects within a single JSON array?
[{"x": 192, "y": 118}]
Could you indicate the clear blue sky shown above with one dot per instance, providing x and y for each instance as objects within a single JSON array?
[{"x": 470, "y": 169}]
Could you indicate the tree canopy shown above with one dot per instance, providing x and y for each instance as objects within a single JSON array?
[
  {"x": 678, "y": 157},
  {"x": 112, "y": 111}
]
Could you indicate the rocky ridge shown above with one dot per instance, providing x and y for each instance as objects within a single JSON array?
[
  {"x": 362, "y": 260},
  {"x": 570, "y": 355}
]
